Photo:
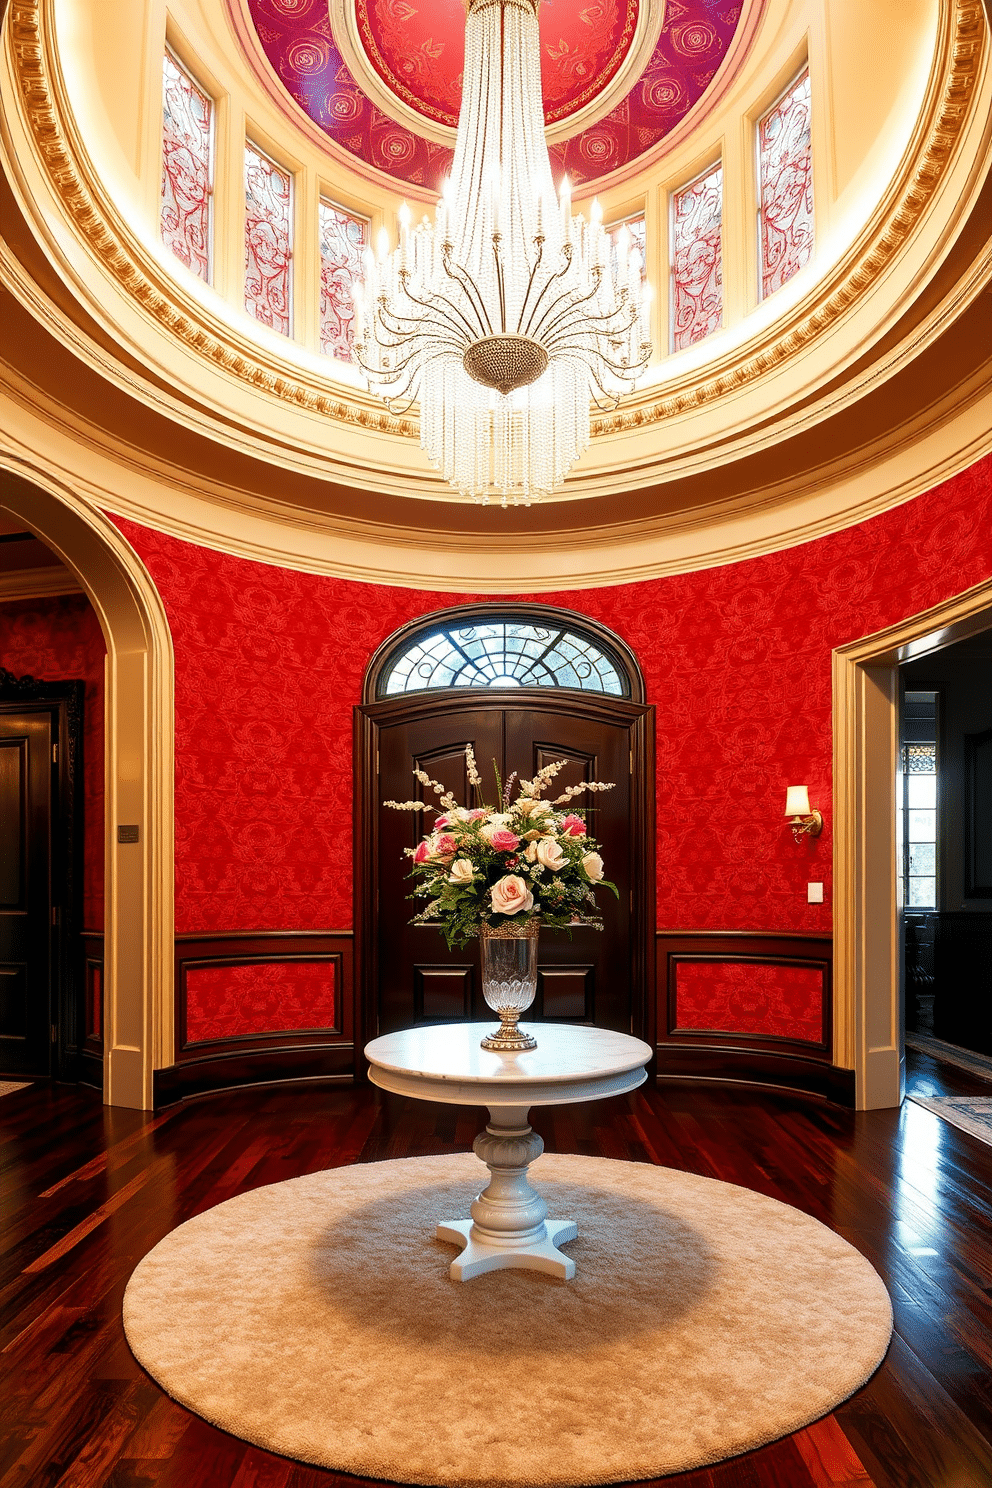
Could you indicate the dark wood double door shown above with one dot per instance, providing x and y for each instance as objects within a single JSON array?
[{"x": 595, "y": 977}]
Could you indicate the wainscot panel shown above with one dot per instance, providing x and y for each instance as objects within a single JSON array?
[
  {"x": 749, "y": 1006},
  {"x": 239, "y": 1043}
]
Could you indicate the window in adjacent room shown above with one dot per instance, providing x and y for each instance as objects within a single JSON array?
[
  {"x": 268, "y": 240},
  {"x": 785, "y": 185},
  {"x": 343, "y": 240},
  {"x": 697, "y": 258},
  {"x": 918, "y": 804},
  {"x": 187, "y": 167}
]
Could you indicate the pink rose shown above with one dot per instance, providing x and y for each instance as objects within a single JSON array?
[
  {"x": 511, "y": 895},
  {"x": 445, "y": 846},
  {"x": 476, "y": 812},
  {"x": 442, "y": 821},
  {"x": 573, "y": 826},
  {"x": 503, "y": 841},
  {"x": 423, "y": 853}
]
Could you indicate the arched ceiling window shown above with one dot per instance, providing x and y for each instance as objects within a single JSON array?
[{"x": 504, "y": 650}]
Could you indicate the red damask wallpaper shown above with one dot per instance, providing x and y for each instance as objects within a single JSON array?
[
  {"x": 269, "y": 664},
  {"x": 746, "y": 997},
  {"x": 261, "y": 997},
  {"x": 60, "y": 640}
]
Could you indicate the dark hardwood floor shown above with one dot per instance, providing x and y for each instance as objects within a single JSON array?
[{"x": 86, "y": 1191}]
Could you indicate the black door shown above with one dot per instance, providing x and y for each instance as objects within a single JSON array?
[
  {"x": 413, "y": 978},
  {"x": 26, "y": 906}
]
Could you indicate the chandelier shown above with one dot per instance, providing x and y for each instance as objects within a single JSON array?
[{"x": 507, "y": 316}]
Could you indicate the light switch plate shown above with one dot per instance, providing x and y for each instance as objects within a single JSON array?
[{"x": 814, "y": 893}]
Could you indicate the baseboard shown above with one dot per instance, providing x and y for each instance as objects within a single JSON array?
[
  {"x": 236, "y": 1069},
  {"x": 733, "y": 1065}
]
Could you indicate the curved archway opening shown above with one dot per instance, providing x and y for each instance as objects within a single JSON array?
[{"x": 139, "y": 775}]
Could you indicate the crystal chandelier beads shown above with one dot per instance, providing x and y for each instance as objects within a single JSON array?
[{"x": 507, "y": 315}]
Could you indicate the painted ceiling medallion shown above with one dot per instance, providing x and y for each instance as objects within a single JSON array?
[
  {"x": 417, "y": 47},
  {"x": 405, "y": 61}
]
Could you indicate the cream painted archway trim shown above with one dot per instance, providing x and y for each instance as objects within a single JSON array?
[
  {"x": 867, "y": 981},
  {"x": 139, "y": 776}
]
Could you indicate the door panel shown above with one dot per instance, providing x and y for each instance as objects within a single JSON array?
[
  {"x": 583, "y": 978},
  {"x": 25, "y": 893},
  {"x": 599, "y": 751}
]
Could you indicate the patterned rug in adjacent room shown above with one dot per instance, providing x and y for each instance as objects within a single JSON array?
[
  {"x": 970, "y": 1113},
  {"x": 316, "y": 1318}
]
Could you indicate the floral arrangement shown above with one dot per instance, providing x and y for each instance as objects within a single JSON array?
[{"x": 516, "y": 861}]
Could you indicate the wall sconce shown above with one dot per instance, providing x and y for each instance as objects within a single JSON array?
[{"x": 805, "y": 821}]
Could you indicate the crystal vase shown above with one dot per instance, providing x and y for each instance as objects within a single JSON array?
[{"x": 509, "y": 980}]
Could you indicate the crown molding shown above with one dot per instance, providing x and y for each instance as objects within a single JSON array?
[{"x": 75, "y": 183}]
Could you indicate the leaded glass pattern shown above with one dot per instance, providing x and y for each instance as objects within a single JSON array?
[
  {"x": 187, "y": 159},
  {"x": 502, "y": 653},
  {"x": 343, "y": 240},
  {"x": 697, "y": 258},
  {"x": 268, "y": 240},
  {"x": 785, "y": 174}
]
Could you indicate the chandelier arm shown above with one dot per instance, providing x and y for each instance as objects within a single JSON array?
[
  {"x": 447, "y": 310},
  {"x": 389, "y": 373},
  {"x": 573, "y": 304},
  {"x": 400, "y": 320},
  {"x": 472, "y": 293},
  {"x": 500, "y": 282},
  {"x": 603, "y": 320},
  {"x": 539, "y": 243},
  {"x": 621, "y": 370},
  {"x": 558, "y": 274}
]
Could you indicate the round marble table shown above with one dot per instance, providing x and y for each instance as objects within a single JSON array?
[{"x": 509, "y": 1224}]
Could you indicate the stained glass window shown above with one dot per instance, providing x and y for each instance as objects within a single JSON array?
[
  {"x": 785, "y": 172},
  {"x": 343, "y": 240},
  {"x": 502, "y": 653},
  {"x": 187, "y": 158},
  {"x": 268, "y": 240},
  {"x": 697, "y": 258},
  {"x": 637, "y": 236}
]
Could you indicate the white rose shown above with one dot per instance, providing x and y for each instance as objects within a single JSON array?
[
  {"x": 547, "y": 852},
  {"x": 511, "y": 895},
  {"x": 459, "y": 814},
  {"x": 497, "y": 819},
  {"x": 529, "y": 807},
  {"x": 593, "y": 864},
  {"x": 461, "y": 871}
]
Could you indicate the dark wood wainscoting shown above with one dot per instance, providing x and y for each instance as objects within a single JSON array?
[
  {"x": 752, "y": 1057},
  {"x": 261, "y": 1058},
  {"x": 90, "y": 1012}
]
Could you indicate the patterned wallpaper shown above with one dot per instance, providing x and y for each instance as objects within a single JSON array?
[
  {"x": 269, "y": 665},
  {"x": 60, "y": 640},
  {"x": 243, "y": 1001}
]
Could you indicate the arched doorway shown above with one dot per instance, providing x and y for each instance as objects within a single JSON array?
[
  {"x": 138, "y": 925},
  {"x": 524, "y": 684}
]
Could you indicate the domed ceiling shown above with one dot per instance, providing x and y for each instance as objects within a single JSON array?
[{"x": 382, "y": 78}]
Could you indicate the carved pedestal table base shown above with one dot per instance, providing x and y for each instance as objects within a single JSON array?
[{"x": 509, "y": 1224}]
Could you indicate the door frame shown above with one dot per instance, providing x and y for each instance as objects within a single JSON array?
[
  {"x": 868, "y": 974},
  {"x": 638, "y": 717},
  {"x": 63, "y": 702}
]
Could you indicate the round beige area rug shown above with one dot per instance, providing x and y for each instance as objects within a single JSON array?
[{"x": 316, "y": 1318}]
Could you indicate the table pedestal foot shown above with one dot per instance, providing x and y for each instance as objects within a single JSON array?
[
  {"x": 539, "y": 1255},
  {"x": 509, "y": 1224}
]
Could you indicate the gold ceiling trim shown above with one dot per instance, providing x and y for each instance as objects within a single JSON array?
[{"x": 77, "y": 185}]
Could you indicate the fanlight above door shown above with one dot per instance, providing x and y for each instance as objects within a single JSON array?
[{"x": 503, "y": 651}]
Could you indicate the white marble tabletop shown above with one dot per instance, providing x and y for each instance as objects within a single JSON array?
[{"x": 445, "y": 1063}]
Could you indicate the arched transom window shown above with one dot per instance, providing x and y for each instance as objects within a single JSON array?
[{"x": 508, "y": 651}]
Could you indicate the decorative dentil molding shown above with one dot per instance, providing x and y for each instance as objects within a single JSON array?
[{"x": 78, "y": 187}]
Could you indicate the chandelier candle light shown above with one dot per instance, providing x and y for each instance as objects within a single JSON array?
[
  {"x": 507, "y": 315},
  {"x": 498, "y": 872}
]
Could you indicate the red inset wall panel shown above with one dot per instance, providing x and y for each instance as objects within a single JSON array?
[
  {"x": 742, "y": 997},
  {"x": 238, "y": 1001}
]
